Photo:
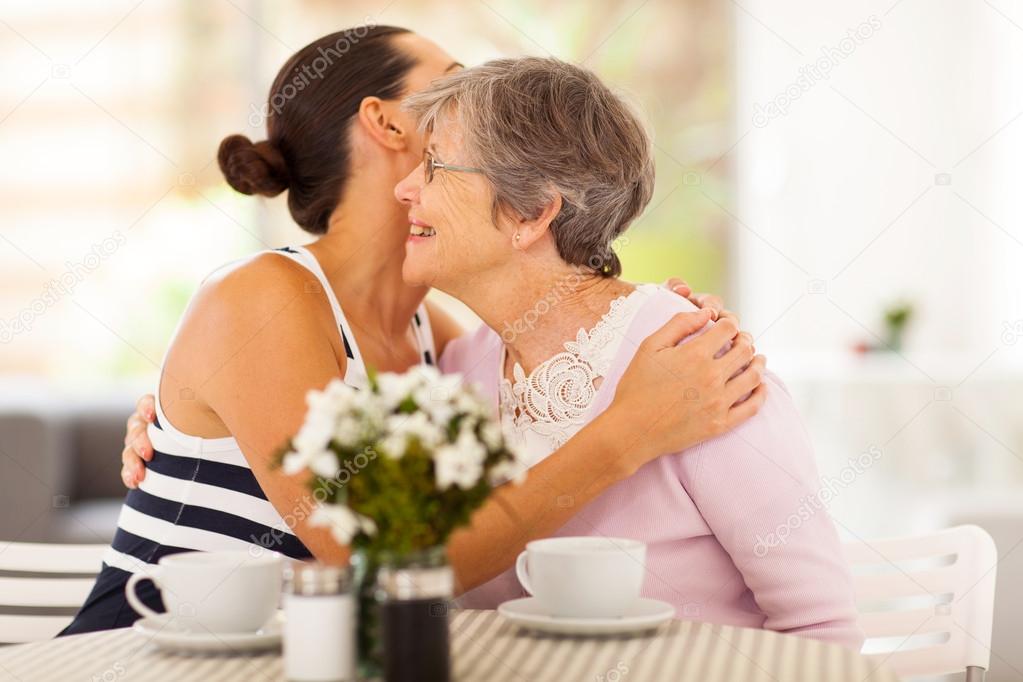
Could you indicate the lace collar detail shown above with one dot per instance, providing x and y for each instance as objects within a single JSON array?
[{"x": 552, "y": 401}]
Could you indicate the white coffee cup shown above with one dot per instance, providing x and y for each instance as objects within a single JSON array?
[
  {"x": 583, "y": 577},
  {"x": 224, "y": 591}
]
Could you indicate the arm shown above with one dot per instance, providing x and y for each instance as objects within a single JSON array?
[
  {"x": 649, "y": 416},
  {"x": 138, "y": 450},
  {"x": 251, "y": 346},
  {"x": 757, "y": 488}
]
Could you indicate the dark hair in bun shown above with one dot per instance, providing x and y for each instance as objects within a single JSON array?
[
  {"x": 253, "y": 168},
  {"x": 308, "y": 113}
]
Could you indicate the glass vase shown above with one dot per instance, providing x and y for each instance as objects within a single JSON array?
[{"x": 401, "y": 594}]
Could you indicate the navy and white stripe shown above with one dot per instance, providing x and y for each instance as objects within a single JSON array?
[{"x": 201, "y": 494}]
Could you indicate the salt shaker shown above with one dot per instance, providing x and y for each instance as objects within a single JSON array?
[{"x": 320, "y": 619}]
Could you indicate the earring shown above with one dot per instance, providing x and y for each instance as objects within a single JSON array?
[{"x": 517, "y": 237}]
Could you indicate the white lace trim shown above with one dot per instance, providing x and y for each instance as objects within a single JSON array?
[{"x": 553, "y": 400}]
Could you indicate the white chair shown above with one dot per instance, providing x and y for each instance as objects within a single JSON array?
[
  {"x": 931, "y": 597},
  {"x": 51, "y": 592}
]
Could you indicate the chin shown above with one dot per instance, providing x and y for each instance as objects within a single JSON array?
[{"x": 415, "y": 275}]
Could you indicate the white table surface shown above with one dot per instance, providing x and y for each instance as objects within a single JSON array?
[{"x": 484, "y": 647}]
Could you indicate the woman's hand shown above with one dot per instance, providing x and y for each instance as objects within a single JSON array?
[
  {"x": 137, "y": 448},
  {"x": 674, "y": 395},
  {"x": 713, "y": 303}
]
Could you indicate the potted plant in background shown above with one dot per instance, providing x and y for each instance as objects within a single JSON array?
[{"x": 396, "y": 468}]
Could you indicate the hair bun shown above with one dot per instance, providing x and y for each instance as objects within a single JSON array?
[{"x": 253, "y": 168}]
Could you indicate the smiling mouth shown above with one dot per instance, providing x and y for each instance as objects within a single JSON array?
[{"x": 421, "y": 230}]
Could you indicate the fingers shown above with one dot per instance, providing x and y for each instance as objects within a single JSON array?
[
  {"x": 728, "y": 314},
  {"x": 747, "y": 380},
  {"x": 747, "y": 408},
  {"x": 718, "y": 336},
  {"x": 677, "y": 328},
  {"x": 146, "y": 407},
  {"x": 142, "y": 446},
  {"x": 132, "y": 428},
  {"x": 709, "y": 301},
  {"x": 132, "y": 469},
  {"x": 137, "y": 438},
  {"x": 679, "y": 286},
  {"x": 128, "y": 479},
  {"x": 739, "y": 355}
]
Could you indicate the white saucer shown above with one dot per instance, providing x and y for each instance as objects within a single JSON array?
[
  {"x": 172, "y": 635},
  {"x": 645, "y": 614}
]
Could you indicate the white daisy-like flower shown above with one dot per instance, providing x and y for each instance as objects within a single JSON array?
[
  {"x": 348, "y": 430},
  {"x": 491, "y": 434},
  {"x": 460, "y": 463},
  {"x": 419, "y": 425},
  {"x": 314, "y": 434},
  {"x": 394, "y": 388},
  {"x": 325, "y": 465},
  {"x": 394, "y": 445},
  {"x": 508, "y": 470},
  {"x": 344, "y": 524},
  {"x": 294, "y": 462}
]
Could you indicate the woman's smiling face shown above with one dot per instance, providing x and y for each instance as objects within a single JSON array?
[{"x": 452, "y": 235}]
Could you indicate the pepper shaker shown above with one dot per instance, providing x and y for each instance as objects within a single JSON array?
[{"x": 413, "y": 603}]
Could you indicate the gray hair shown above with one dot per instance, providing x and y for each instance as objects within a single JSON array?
[{"x": 538, "y": 127}]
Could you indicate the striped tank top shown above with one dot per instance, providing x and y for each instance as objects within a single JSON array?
[{"x": 200, "y": 494}]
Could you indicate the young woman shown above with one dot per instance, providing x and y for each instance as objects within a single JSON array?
[{"x": 260, "y": 333}]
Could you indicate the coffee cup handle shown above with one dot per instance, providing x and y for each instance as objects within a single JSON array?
[
  {"x": 136, "y": 603},
  {"x": 520, "y": 571}
]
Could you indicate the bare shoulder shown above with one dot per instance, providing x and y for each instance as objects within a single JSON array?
[
  {"x": 257, "y": 282},
  {"x": 266, "y": 304}
]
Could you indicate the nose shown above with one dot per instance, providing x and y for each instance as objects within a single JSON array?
[{"x": 407, "y": 191}]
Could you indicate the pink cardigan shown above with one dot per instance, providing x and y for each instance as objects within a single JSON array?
[{"x": 735, "y": 533}]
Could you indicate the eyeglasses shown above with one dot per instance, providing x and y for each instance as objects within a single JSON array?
[{"x": 431, "y": 164}]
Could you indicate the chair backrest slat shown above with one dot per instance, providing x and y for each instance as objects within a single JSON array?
[
  {"x": 890, "y": 599},
  {"x": 48, "y": 592},
  {"x": 44, "y": 586},
  {"x": 22, "y": 629},
  {"x": 34, "y": 557}
]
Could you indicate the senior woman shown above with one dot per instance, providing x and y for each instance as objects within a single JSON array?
[{"x": 533, "y": 168}]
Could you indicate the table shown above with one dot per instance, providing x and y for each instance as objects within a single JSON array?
[{"x": 484, "y": 647}]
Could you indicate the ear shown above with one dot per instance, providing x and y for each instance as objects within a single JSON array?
[
  {"x": 380, "y": 120},
  {"x": 530, "y": 230}
]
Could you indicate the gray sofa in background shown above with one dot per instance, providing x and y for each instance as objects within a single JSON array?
[{"x": 60, "y": 473}]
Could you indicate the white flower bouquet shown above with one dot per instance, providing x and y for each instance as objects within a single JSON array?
[{"x": 396, "y": 468}]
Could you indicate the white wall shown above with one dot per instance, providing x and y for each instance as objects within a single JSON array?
[
  {"x": 896, "y": 176},
  {"x": 842, "y": 188}
]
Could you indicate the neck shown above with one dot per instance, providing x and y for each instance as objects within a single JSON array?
[
  {"x": 362, "y": 254},
  {"x": 541, "y": 305}
]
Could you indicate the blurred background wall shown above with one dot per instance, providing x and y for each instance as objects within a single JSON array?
[{"x": 842, "y": 173}]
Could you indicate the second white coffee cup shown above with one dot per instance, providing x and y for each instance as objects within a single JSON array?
[
  {"x": 224, "y": 591},
  {"x": 583, "y": 577}
]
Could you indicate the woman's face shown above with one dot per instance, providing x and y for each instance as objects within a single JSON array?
[
  {"x": 432, "y": 62},
  {"x": 452, "y": 236}
]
